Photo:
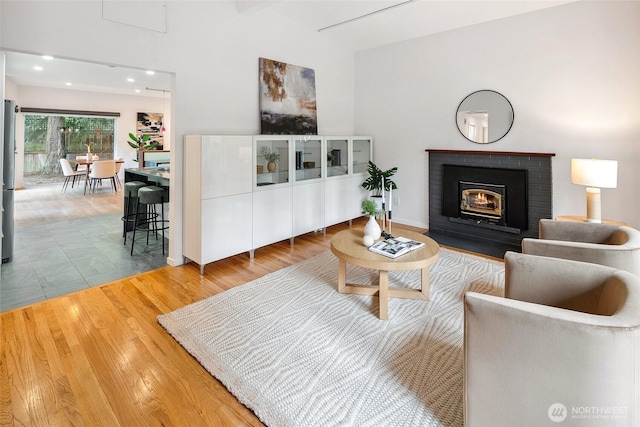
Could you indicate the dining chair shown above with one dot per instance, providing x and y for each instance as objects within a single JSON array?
[
  {"x": 102, "y": 169},
  {"x": 69, "y": 174},
  {"x": 119, "y": 164},
  {"x": 81, "y": 168}
]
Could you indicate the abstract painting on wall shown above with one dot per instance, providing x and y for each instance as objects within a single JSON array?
[
  {"x": 151, "y": 124},
  {"x": 287, "y": 99}
]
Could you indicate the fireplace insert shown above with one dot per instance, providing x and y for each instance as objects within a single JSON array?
[
  {"x": 485, "y": 195},
  {"x": 482, "y": 201}
]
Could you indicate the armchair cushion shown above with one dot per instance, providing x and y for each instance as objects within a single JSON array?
[
  {"x": 567, "y": 332},
  {"x": 605, "y": 244}
]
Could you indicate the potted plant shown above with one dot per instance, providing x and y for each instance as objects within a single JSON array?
[
  {"x": 140, "y": 143},
  {"x": 270, "y": 157},
  {"x": 372, "y": 228},
  {"x": 373, "y": 182},
  {"x": 329, "y": 158},
  {"x": 370, "y": 208}
]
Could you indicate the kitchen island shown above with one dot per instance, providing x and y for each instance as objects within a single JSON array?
[{"x": 152, "y": 176}]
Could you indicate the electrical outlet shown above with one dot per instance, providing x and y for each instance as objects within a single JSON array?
[{"x": 396, "y": 202}]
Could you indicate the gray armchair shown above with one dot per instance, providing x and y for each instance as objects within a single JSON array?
[
  {"x": 565, "y": 340},
  {"x": 606, "y": 244}
]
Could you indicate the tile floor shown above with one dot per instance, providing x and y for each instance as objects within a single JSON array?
[{"x": 56, "y": 258}]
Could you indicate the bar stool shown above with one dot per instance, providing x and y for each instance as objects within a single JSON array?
[
  {"x": 130, "y": 202},
  {"x": 149, "y": 219}
]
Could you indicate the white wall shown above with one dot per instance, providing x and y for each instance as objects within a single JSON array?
[
  {"x": 572, "y": 73},
  {"x": 213, "y": 51},
  {"x": 127, "y": 105}
]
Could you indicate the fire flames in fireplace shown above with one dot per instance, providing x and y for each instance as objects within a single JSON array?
[{"x": 483, "y": 201}]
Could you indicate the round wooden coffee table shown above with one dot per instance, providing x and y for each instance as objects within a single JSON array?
[{"x": 348, "y": 248}]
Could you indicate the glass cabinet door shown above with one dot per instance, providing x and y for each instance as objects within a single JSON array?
[
  {"x": 308, "y": 158},
  {"x": 272, "y": 160},
  {"x": 361, "y": 154},
  {"x": 337, "y": 156}
]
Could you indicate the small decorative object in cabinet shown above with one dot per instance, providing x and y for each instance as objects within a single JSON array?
[
  {"x": 272, "y": 153},
  {"x": 337, "y": 157},
  {"x": 271, "y": 158},
  {"x": 308, "y": 150}
]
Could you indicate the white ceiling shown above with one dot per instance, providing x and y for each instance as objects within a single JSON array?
[
  {"x": 356, "y": 24},
  {"x": 367, "y": 24},
  {"x": 56, "y": 73}
]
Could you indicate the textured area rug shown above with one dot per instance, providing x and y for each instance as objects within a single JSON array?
[{"x": 298, "y": 353}]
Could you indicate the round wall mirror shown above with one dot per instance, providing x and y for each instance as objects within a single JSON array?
[{"x": 478, "y": 110}]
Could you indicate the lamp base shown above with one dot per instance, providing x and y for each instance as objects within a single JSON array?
[{"x": 593, "y": 205}]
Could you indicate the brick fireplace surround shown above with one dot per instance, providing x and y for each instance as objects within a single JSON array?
[{"x": 487, "y": 239}]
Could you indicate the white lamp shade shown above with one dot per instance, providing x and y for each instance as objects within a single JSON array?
[{"x": 594, "y": 173}]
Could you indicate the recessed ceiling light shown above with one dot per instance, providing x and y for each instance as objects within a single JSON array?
[
  {"x": 47, "y": 57},
  {"x": 151, "y": 73},
  {"x": 68, "y": 83},
  {"x": 131, "y": 80},
  {"x": 137, "y": 90},
  {"x": 38, "y": 68}
]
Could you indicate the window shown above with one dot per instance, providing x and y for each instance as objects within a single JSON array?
[{"x": 48, "y": 138}]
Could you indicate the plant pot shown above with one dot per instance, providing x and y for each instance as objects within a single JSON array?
[
  {"x": 271, "y": 166},
  {"x": 372, "y": 228},
  {"x": 140, "y": 157}
]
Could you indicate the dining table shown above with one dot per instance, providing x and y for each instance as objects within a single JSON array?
[{"x": 88, "y": 163}]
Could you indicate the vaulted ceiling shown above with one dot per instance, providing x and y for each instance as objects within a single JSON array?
[
  {"x": 366, "y": 24},
  {"x": 355, "y": 24}
]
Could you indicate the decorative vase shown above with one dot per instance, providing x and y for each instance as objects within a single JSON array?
[
  {"x": 372, "y": 228},
  {"x": 271, "y": 166}
]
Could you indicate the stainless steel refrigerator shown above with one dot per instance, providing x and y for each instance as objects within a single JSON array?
[{"x": 8, "y": 154}]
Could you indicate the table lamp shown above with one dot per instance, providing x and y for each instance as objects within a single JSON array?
[{"x": 595, "y": 174}]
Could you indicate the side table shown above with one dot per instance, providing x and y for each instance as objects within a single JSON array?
[{"x": 578, "y": 218}]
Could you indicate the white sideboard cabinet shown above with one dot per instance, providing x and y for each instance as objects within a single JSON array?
[
  {"x": 308, "y": 184},
  {"x": 218, "y": 200},
  {"x": 245, "y": 192}
]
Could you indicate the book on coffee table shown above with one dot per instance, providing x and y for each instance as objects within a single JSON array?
[
  {"x": 391, "y": 248},
  {"x": 413, "y": 244}
]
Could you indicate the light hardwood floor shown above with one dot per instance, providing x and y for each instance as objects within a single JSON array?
[
  {"x": 44, "y": 203},
  {"x": 99, "y": 356}
]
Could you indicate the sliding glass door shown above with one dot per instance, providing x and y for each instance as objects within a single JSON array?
[{"x": 48, "y": 138}]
